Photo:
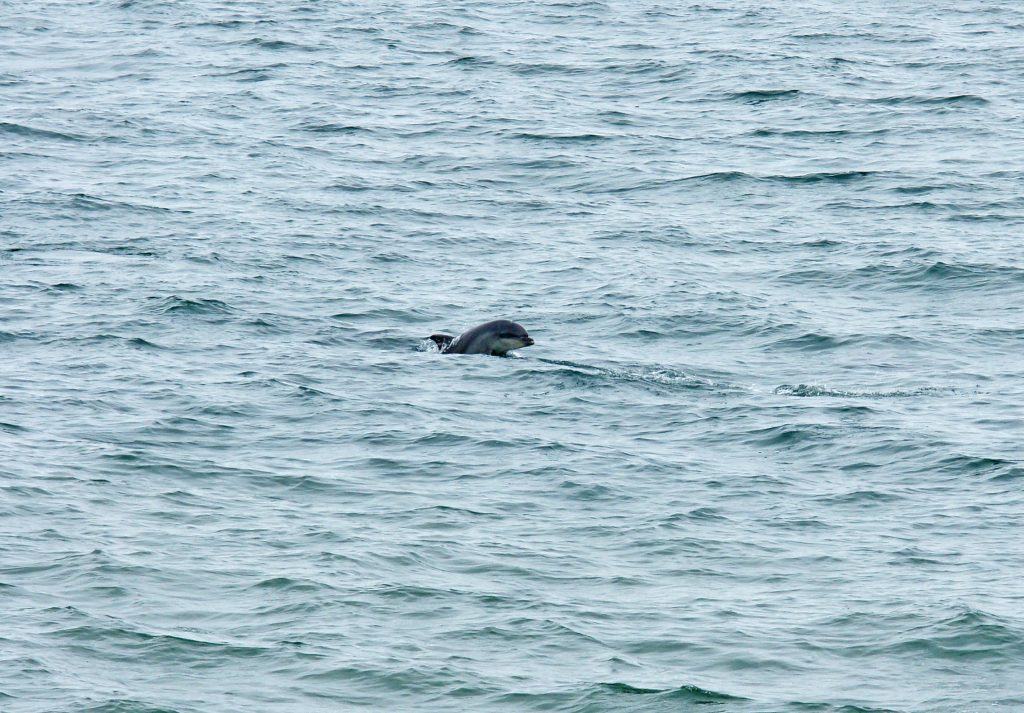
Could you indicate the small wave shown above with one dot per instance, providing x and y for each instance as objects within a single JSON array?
[
  {"x": 469, "y": 61},
  {"x": 287, "y": 584},
  {"x": 789, "y": 435},
  {"x": 757, "y": 96},
  {"x": 263, "y": 325},
  {"x": 920, "y": 273},
  {"x": 809, "y": 342},
  {"x": 380, "y": 314},
  {"x": 948, "y": 271},
  {"x": 665, "y": 377},
  {"x": 528, "y": 70},
  {"x": 279, "y": 45},
  {"x": 994, "y": 468},
  {"x": 21, "y": 130},
  {"x": 223, "y": 24},
  {"x": 860, "y": 497},
  {"x": 811, "y": 390},
  {"x": 299, "y": 484},
  {"x": 63, "y": 287},
  {"x": 917, "y": 190},
  {"x": 619, "y": 696},
  {"x": 587, "y": 375},
  {"x": 579, "y": 491},
  {"x": 970, "y": 634},
  {"x": 134, "y": 642},
  {"x": 181, "y": 305},
  {"x": 941, "y": 275},
  {"x": 334, "y": 128},
  {"x": 825, "y": 177},
  {"x": 561, "y": 138},
  {"x": 104, "y": 337},
  {"x": 1015, "y": 473},
  {"x": 954, "y": 100},
  {"x": 822, "y": 243},
  {"x": 983, "y": 218},
  {"x": 126, "y": 705},
  {"x": 716, "y": 177},
  {"x": 250, "y": 75},
  {"x": 454, "y": 512},
  {"x": 831, "y": 708},
  {"x": 698, "y": 514},
  {"x": 84, "y": 201},
  {"x": 688, "y": 694},
  {"x": 812, "y": 133},
  {"x": 428, "y": 345}
]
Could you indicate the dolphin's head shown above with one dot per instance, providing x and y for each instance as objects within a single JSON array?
[{"x": 509, "y": 336}]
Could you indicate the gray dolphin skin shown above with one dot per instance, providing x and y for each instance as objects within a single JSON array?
[{"x": 496, "y": 338}]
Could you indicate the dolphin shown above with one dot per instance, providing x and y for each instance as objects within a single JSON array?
[{"x": 496, "y": 338}]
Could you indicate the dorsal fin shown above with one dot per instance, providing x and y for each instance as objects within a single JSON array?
[{"x": 443, "y": 341}]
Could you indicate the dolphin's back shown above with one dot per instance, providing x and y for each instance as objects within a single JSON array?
[
  {"x": 471, "y": 342},
  {"x": 477, "y": 340}
]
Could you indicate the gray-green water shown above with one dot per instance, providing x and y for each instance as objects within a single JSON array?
[{"x": 765, "y": 456}]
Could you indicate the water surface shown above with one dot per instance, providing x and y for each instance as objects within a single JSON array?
[{"x": 765, "y": 455}]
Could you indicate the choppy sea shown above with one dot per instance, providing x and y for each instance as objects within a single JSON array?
[{"x": 765, "y": 456}]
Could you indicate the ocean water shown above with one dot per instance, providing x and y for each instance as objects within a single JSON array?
[{"x": 764, "y": 457}]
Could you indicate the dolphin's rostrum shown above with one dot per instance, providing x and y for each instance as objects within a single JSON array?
[{"x": 496, "y": 338}]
